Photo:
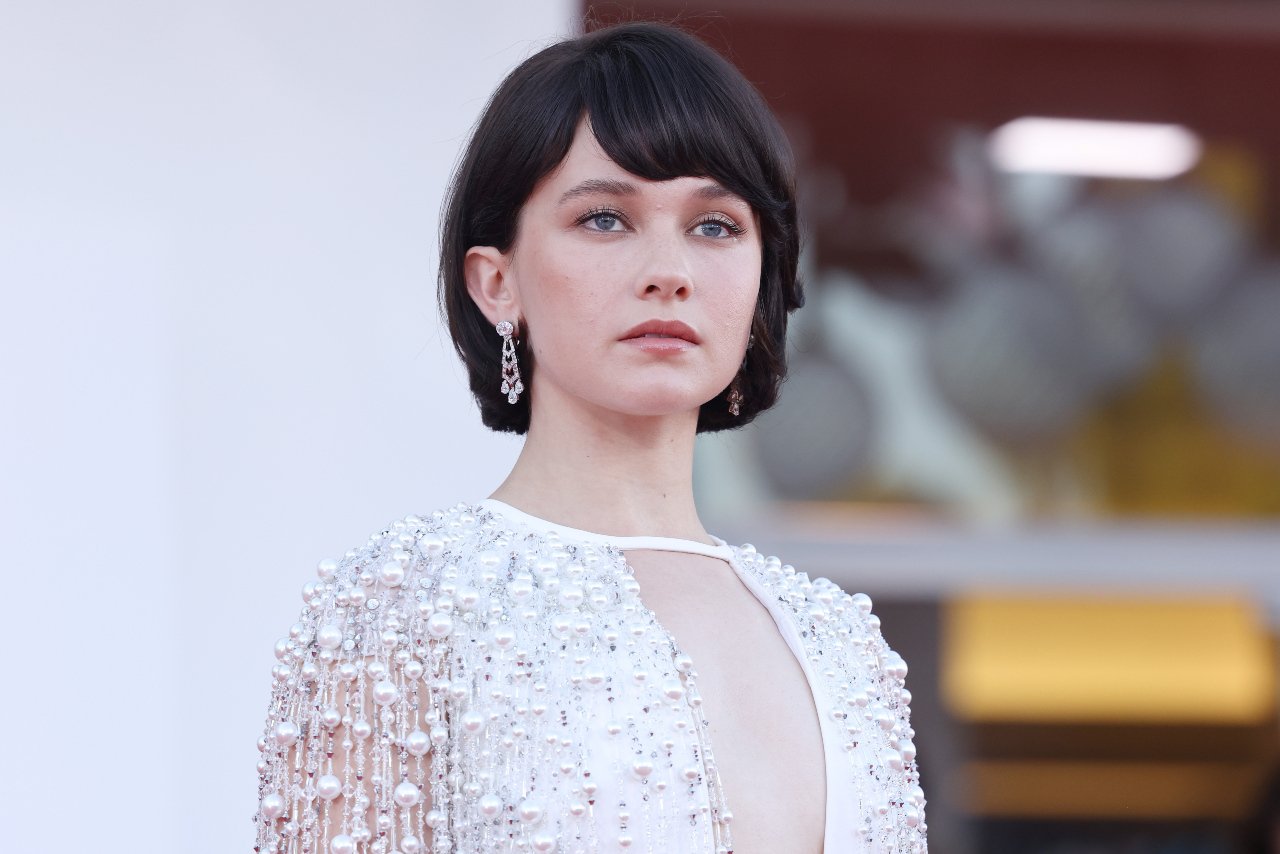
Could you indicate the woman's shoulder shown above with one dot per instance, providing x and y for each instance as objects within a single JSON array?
[
  {"x": 416, "y": 541},
  {"x": 822, "y": 607}
]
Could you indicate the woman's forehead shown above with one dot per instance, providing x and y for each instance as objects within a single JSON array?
[{"x": 588, "y": 170}]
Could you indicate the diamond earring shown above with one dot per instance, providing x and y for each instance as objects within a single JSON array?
[
  {"x": 511, "y": 385},
  {"x": 735, "y": 393},
  {"x": 735, "y": 397}
]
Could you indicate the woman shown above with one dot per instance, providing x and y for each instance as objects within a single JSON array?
[{"x": 518, "y": 674}]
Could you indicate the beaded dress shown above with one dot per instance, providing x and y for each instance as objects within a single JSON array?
[{"x": 481, "y": 680}]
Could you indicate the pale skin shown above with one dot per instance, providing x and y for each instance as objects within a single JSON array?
[{"x": 611, "y": 438}]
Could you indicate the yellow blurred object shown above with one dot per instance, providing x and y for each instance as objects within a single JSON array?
[
  {"x": 1155, "y": 450},
  {"x": 1238, "y": 174},
  {"x": 1073, "y": 660},
  {"x": 1108, "y": 790}
]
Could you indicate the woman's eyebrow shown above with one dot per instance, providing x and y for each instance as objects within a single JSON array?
[
  {"x": 616, "y": 187},
  {"x": 600, "y": 186},
  {"x": 715, "y": 191}
]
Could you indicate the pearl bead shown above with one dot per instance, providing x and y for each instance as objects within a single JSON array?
[
  {"x": 342, "y": 844},
  {"x": 329, "y": 637},
  {"x": 362, "y": 729},
  {"x": 530, "y": 811},
  {"x": 895, "y": 666},
  {"x": 467, "y": 598},
  {"x": 328, "y": 787},
  {"x": 407, "y": 794},
  {"x": 544, "y": 843},
  {"x": 642, "y": 768},
  {"x": 417, "y": 743},
  {"x": 490, "y": 805},
  {"x": 327, "y": 569},
  {"x": 272, "y": 806},
  {"x": 391, "y": 574},
  {"x": 385, "y": 692},
  {"x": 410, "y": 845},
  {"x": 286, "y": 733},
  {"x": 440, "y": 625}
]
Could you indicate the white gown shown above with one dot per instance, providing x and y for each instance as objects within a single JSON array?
[{"x": 481, "y": 680}]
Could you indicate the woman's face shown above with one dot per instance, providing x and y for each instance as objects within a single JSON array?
[{"x": 600, "y": 252}]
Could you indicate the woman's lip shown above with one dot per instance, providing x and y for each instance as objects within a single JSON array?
[
  {"x": 665, "y": 328},
  {"x": 660, "y": 344}
]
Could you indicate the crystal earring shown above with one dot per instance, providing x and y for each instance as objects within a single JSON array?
[
  {"x": 511, "y": 385},
  {"x": 735, "y": 397},
  {"x": 735, "y": 392}
]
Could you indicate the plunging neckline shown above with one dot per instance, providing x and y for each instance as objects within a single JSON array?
[{"x": 723, "y": 551}]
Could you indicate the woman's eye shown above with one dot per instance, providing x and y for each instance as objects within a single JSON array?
[
  {"x": 717, "y": 228},
  {"x": 603, "y": 221}
]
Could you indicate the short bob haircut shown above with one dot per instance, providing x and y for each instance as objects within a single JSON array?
[{"x": 662, "y": 105}]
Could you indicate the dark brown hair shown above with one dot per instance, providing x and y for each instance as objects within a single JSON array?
[{"x": 662, "y": 105}]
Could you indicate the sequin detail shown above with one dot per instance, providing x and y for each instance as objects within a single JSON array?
[{"x": 460, "y": 684}]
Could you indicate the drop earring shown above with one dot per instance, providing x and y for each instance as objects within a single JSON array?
[
  {"x": 735, "y": 392},
  {"x": 735, "y": 397},
  {"x": 511, "y": 385}
]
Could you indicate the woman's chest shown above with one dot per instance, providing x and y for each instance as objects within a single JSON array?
[{"x": 763, "y": 721}]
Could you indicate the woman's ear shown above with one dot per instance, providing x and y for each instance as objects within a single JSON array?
[{"x": 489, "y": 285}]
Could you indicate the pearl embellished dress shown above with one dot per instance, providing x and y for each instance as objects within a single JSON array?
[{"x": 481, "y": 680}]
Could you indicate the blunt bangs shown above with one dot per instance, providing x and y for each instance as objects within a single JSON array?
[{"x": 661, "y": 121}]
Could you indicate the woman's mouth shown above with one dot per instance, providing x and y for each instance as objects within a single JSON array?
[{"x": 667, "y": 334}]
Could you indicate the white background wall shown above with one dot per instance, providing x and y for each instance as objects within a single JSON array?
[{"x": 221, "y": 362}]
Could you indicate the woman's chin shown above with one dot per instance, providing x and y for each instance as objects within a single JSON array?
[
  {"x": 638, "y": 399},
  {"x": 658, "y": 404}
]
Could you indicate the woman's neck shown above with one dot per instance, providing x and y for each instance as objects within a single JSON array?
[{"x": 608, "y": 473}]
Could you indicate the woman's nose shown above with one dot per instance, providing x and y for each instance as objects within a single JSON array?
[{"x": 666, "y": 272}]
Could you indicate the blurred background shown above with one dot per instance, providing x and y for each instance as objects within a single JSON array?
[
  {"x": 1034, "y": 402},
  {"x": 1033, "y": 411}
]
